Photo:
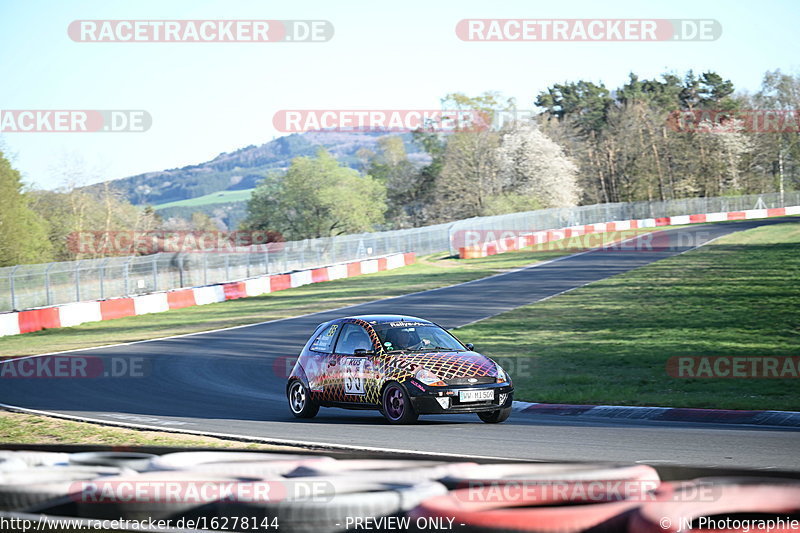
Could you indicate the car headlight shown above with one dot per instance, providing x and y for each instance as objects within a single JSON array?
[
  {"x": 502, "y": 377},
  {"x": 428, "y": 378}
]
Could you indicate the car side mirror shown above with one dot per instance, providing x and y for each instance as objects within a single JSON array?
[
  {"x": 362, "y": 351},
  {"x": 470, "y": 346}
]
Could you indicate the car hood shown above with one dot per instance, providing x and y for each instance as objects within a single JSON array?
[{"x": 451, "y": 365}]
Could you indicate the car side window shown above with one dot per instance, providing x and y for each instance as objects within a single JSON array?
[
  {"x": 324, "y": 341},
  {"x": 352, "y": 338}
]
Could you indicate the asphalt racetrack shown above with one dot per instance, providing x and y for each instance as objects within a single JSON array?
[{"x": 229, "y": 382}]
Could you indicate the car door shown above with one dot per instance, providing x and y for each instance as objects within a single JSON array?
[
  {"x": 353, "y": 363},
  {"x": 319, "y": 363}
]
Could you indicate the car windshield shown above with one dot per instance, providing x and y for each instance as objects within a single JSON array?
[{"x": 415, "y": 336}]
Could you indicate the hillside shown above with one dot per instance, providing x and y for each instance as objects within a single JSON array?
[{"x": 244, "y": 168}]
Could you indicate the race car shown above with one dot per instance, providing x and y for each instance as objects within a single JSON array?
[{"x": 401, "y": 365}]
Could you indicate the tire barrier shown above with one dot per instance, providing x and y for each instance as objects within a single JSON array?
[
  {"x": 295, "y": 492},
  {"x": 132, "y": 460},
  {"x": 12, "y": 464},
  {"x": 493, "y": 474},
  {"x": 77, "y": 313},
  {"x": 543, "y": 497},
  {"x": 155, "y": 495},
  {"x": 264, "y": 465},
  {"x": 382, "y": 470},
  {"x": 222, "y": 460},
  {"x": 326, "y": 504},
  {"x": 726, "y": 501},
  {"x": 38, "y": 458},
  {"x": 22, "y": 489}
]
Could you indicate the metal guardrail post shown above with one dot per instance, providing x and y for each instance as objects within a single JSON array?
[
  {"x": 154, "y": 263},
  {"x": 77, "y": 281},
  {"x": 125, "y": 279},
  {"x": 103, "y": 279},
  {"x": 47, "y": 284},
  {"x": 11, "y": 280}
]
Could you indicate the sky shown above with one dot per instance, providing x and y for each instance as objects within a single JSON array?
[{"x": 208, "y": 98}]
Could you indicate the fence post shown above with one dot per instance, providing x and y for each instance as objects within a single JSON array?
[
  {"x": 77, "y": 281},
  {"x": 155, "y": 271},
  {"x": 205, "y": 268},
  {"x": 126, "y": 276},
  {"x": 180, "y": 270},
  {"x": 103, "y": 279},
  {"x": 227, "y": 267},
  {"x": 47, "y": 284},
  {"x": 11, "y": 279}
]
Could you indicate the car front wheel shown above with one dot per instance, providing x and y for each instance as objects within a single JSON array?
[
  {"x": 396, "y": 405},
  {"x": 300, "y": 402},
  {"x": 495, "y": 417}
]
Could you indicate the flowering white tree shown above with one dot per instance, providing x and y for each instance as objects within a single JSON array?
[{"x": 531, "y": 164}]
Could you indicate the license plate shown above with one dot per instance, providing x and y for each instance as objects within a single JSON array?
[{"x": 475, "y": 395}]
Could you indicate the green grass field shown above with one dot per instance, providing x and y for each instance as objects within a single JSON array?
[
  {"x": 213, "y": 198},
  {"x": 608, "y": 342}
]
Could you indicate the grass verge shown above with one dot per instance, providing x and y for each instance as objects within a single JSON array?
[
  {"x": 608, "y": 342},
  {"x": 22, "y": 428}
]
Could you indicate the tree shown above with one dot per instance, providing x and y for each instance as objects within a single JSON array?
[
  {"x": 776, "y": 154},
  {"x": 469, "y": 176},
  {"x": 317, "y": 198},
  {"x": 69, "y": 212},
  {"x": 532, "y": 165},
  {"x": 23, "y": 234},
  {"x": 407, "y": 188}
]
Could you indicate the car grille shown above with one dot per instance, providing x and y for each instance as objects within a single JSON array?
[{"x": 482, "y": 380}]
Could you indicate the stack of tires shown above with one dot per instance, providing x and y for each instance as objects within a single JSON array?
[{"x": 258, "y": 491}]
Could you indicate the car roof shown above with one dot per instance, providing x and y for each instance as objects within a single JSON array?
[{"x": 381, "y": 319}]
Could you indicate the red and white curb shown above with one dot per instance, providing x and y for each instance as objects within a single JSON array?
[
  {"x": 73, "y": 314},
  {"x": 533, "y": 238},
  {"x": 664, "y": 414}
]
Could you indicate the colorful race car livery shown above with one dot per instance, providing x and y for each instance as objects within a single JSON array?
[{"x": 402, "y": 366}]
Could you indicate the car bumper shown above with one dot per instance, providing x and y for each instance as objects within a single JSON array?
[{"x": 443, "y": 400}]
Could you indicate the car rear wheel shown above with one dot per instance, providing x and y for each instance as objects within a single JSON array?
[
  {"x": 300, "y": 402},
  {"x": 495, "y": 417},
  {"x": 396, "y": 405}
]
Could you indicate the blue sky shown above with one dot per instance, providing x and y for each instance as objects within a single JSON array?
[{"x": 207, "y": 98}]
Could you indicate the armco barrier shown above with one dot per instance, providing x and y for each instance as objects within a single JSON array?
[
  {"x": 540, "y": 237},
  {"x": 80, "y": 312}
]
